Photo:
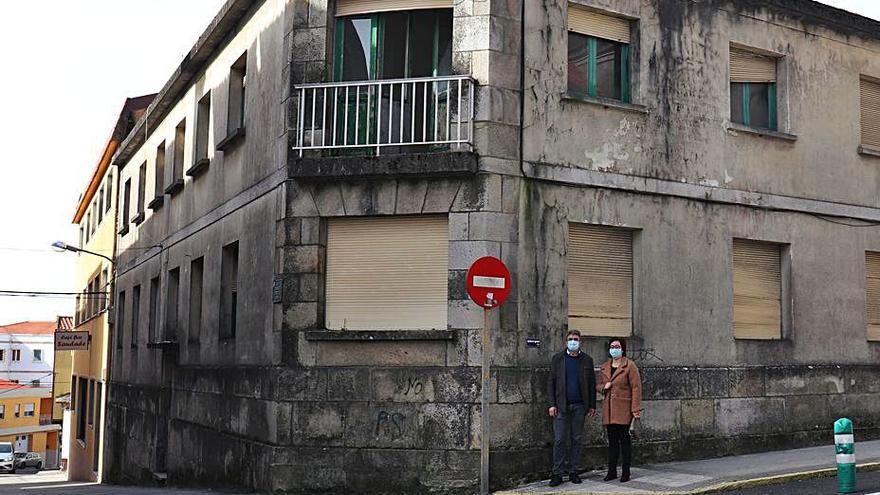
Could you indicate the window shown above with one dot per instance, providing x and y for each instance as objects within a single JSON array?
[
  {"x": 600, "y": 280},
  {"x": 29, "y": 410},
  {"x": 237, "y": 85},
  {"x": 869, "y": 91},
  {"x": 81, "y": 236},
  {"x": 109, "y": 190},
  {"x": 154, "y": 309},
  {"x": 757, "y": 290},
  {"x": 391, "y": 45},
  {"x": 81, "y": 404},
  {"x": 2, "y": 411},
  {"x": 171, "y": 302},
  {"x": 2, "y": 355},
  {"x": 203, "y": 128},
  {"x": 387, "y": 273},
  {"x": 135, "y": 315},
  {"x": 100, "y": 208},
  {"x": 88, "y": 223},
  {"x": 159, "y": 177},
  {"x": 91, "y": 411},
  {"x": 228, "y": 290},
  {"x": 752, "y": 89},
  {"x": 38, "y": 355},
  {"x": 142, "y": 192},
  {"x": 126, "y": 205},
  {"x": 872, "y": 294},
  {"x": 103, "y": 288},
  {"x": 196, "y": 271},
  {"x": 598, "y": 54},
  {"x": 16, "y": 354},
  {"x": 120, "y": 320},
  {"x": 179, "y": 150},
  {"x": 18, "y": 410}
]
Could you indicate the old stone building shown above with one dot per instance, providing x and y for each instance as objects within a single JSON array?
[{"x": 308, "y": 190}]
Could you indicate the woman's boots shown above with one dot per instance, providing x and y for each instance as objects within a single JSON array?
[{"x": 612, "y": 474}]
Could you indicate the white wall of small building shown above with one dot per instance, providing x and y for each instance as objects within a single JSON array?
[{"x": 27, "y": 369}]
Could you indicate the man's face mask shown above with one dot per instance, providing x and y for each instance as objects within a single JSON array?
[{"x": 574, "y": 345}]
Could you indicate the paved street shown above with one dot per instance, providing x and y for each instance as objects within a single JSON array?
[
  {"x": 868, "y": 483},
  {"x": 55, "y": 483}
]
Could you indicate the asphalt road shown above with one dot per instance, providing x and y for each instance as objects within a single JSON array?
[
  {"x": 27, "y": 482},
  {"x": 868, "y": 484}
]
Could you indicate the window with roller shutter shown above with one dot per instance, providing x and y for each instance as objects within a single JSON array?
[
  {"x": 872, "y": 294},
  {"x": 752, "y": 89},
  {"x": 600, "y": 280},
  {"x": 598, "y": 54},
  {"x": 757, "y": 290},
  {"x": 387, "y": 273},
  {"x": 869, "y": 92}
]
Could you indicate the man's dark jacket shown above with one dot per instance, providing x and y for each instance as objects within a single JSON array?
[{"x": 556, "y": 396}]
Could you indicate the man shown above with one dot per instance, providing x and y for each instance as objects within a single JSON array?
[{"x": 571, "y": 394}]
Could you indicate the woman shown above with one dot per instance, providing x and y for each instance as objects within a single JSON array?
[{"x": 619, "y": 382}]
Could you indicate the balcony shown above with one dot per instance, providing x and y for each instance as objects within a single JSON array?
[
  {"x": 45, "y": 418},
  {"x": 343, "y": 128}
]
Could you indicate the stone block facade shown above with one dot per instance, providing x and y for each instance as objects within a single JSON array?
[{"x": 289, "y": 405}]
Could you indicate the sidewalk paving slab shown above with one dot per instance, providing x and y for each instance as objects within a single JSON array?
[{"x": 707, "y": 475}]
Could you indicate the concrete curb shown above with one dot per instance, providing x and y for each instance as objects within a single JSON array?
[{"x": 724, "y": 486}]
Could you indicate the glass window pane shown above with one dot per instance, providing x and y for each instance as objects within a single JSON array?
[
  {"x": 759, "y": 105},
  {"x": 444, "y": 47},
  {"x": 578, "y": 62},
  {"x": 608, "y": 67},
  {"x": 356, "y": 43},
  {"x": 736, "y": 103},
  {"x": 421, "y": 43},
  {"x": 393, "y": 46}
]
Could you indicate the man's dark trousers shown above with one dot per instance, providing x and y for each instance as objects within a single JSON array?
[{"x": 568, "y": 435}]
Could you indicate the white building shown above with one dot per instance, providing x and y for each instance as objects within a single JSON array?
[{"x": 27, "y": 352}]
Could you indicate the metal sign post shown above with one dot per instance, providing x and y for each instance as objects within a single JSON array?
[{"x": 488, "y": 285}]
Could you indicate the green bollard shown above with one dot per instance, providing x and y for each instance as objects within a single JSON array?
[{"x": 844, "y": 446}]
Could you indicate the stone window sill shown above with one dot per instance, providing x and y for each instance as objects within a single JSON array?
[
  {"x": 174, "y": 187},
  {"x": 137, "y": 219},
  {"x": 231, "y": 139},
  {"x": 605, "y": 103},
  {"x": 732, "y": 126},
  {"x": 156, "y": 203},
  {"x": 198, "y": 168},
  {"x": 378, "y": 335},
  {"x": 869, "y": 151},
  {"x": 123, "y": 230}
]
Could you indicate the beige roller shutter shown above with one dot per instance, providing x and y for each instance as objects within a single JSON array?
[
  {"x": 870, "y": 106},
  {"x": 872, "y": 294},
  {"x": 746, "y": 66},
  {"x": 600, "y": 280},
  {"x": 757, "y": 290},
  {"x": 387, "y": 273},
  {"x": 590, "y": 23},
  {"x": 353, "y": 7}
]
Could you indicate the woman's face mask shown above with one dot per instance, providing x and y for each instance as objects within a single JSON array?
[{"x": 615, "y": 352}]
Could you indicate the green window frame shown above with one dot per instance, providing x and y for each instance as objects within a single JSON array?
[
  {"x": 771, "y": 105},
  {"x": 592, "y": 66},
  {"x": 377, "y": 31}
]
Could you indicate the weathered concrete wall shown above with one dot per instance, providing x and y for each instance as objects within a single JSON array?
[{"x": 677, "y": 128}]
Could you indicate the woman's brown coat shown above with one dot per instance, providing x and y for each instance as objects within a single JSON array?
[{"x": 625, "y": 395}]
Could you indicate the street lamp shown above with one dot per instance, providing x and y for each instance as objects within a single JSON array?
[{"x": 61, "y": 246}]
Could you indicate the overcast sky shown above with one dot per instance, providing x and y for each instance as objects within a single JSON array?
[{"x": 68, "y": 67}]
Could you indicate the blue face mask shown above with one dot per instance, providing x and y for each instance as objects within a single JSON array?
[
  {"x": 616, "y": 353},
  {"x": 574, "y": 345}
]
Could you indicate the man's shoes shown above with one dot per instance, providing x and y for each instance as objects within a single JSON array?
[
  {"x": 555, "y": 480},
  {"x": 624, "y": 475},
  {"x": 575, "y": 478},
  {"x": 612, "y": 475}
]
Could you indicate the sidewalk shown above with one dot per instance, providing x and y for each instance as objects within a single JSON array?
[{"x": 713, "y": 475}]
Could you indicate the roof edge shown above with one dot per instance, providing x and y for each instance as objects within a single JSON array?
[{"x": 192, "y": 64}]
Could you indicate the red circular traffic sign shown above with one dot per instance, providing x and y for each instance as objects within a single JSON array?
[{"x": 488, "y": 282}]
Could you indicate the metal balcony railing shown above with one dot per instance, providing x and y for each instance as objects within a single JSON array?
[{"x": 389, "y": 115}]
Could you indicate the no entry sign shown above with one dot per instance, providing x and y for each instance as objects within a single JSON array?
[{"x": 488, "y": 282}]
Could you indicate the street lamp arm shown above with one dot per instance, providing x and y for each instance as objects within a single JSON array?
[{"x": 67, "y": 247}]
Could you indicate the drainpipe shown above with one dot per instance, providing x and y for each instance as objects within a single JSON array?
[{"x": 522, "y": 83}]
